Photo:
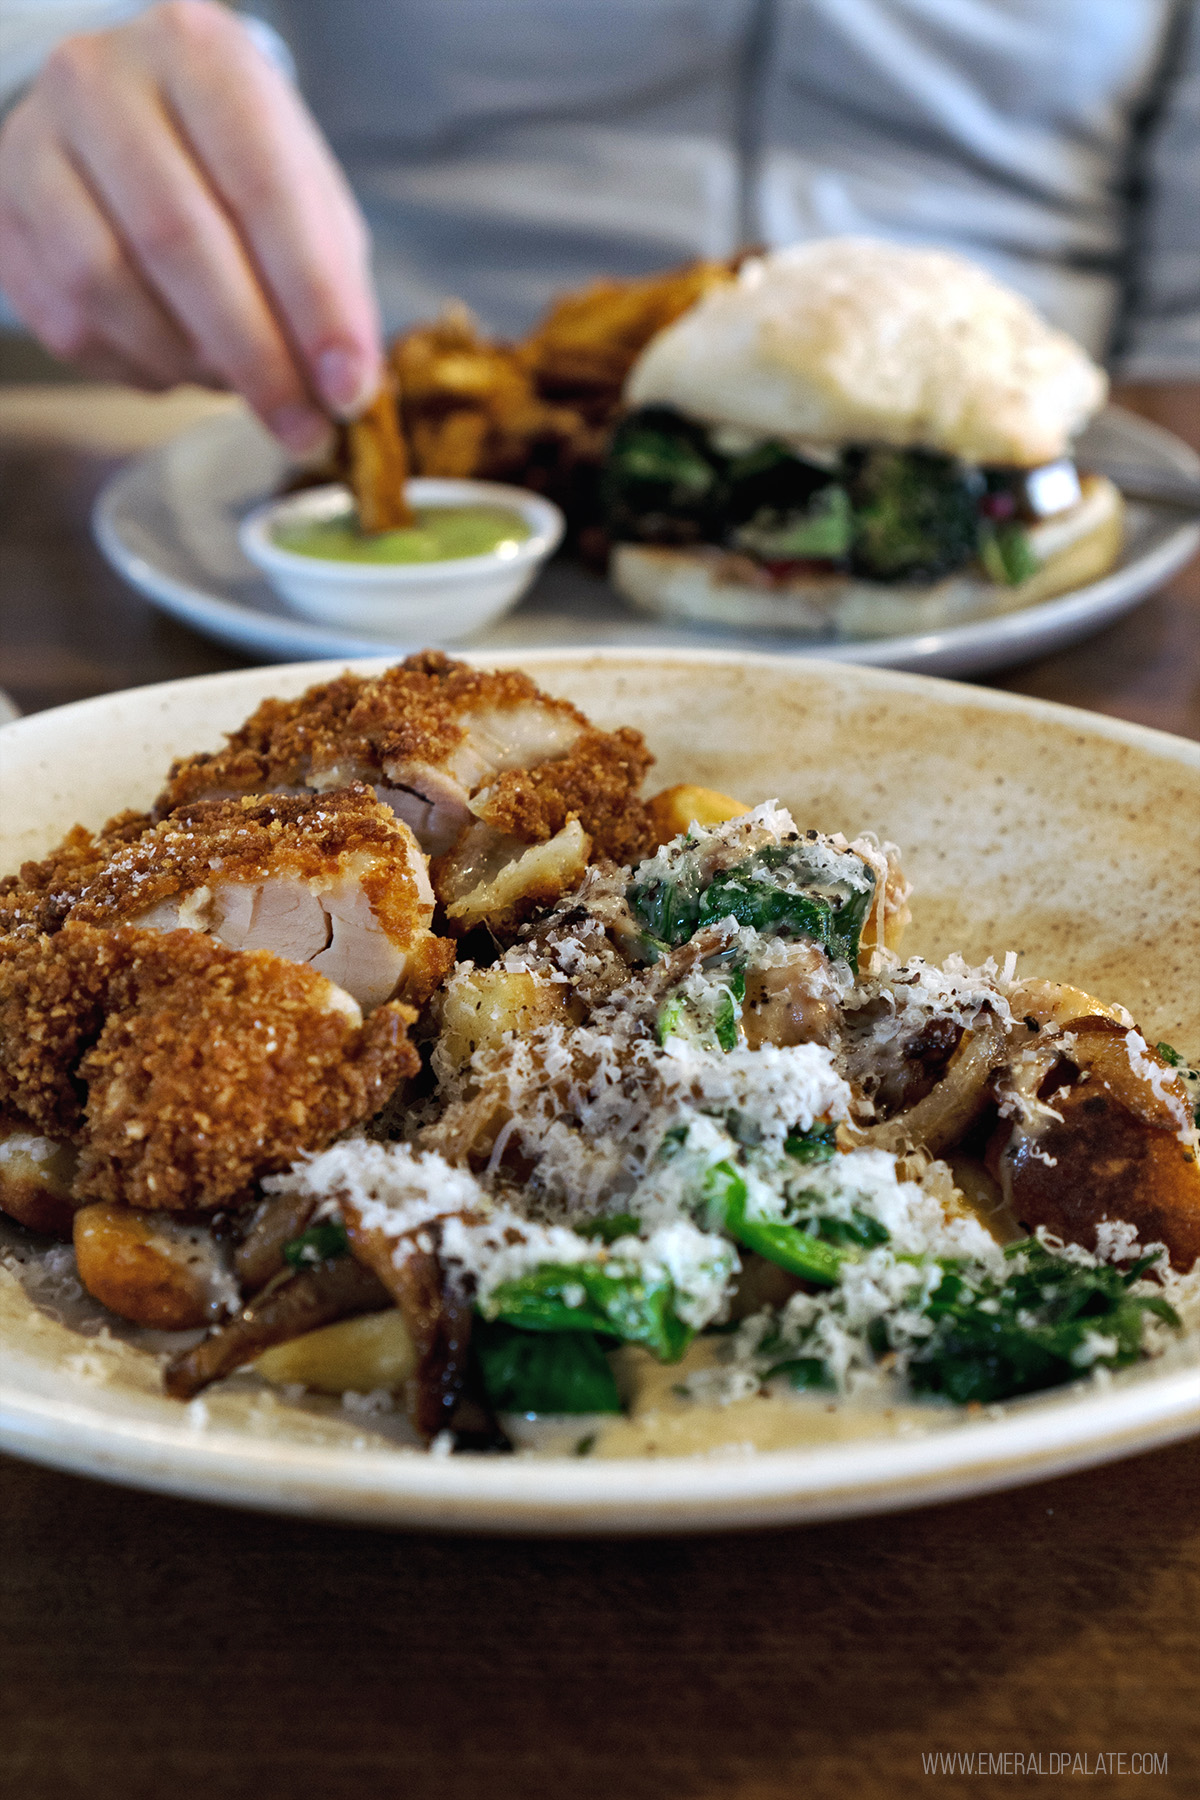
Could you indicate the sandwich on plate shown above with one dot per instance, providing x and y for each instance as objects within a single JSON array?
[{"x": 861, "y": 439}]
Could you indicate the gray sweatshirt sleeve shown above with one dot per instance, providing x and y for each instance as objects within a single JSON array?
[
  {"x": 1159, "y": 337},
  {"x": 29, "y": 30}
]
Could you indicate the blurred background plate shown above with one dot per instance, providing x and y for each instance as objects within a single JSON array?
[
  {"x": 1065, "y": 836},
  {"x": 168, "y": 523}
]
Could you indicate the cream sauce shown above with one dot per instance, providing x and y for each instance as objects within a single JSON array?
[{"x": 663, "y": 1421}]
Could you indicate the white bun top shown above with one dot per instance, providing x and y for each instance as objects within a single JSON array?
[{"x": 851, "y": 340}]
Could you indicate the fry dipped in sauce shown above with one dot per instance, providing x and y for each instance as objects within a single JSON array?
[{"x": 376, "y": 460}]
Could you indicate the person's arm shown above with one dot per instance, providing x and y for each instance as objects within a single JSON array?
[{"x": 169, "y": 211}]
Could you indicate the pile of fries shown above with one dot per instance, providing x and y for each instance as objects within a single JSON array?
[{"x": 535, "y": 413}]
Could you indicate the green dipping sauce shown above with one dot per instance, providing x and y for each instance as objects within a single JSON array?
[{"x": 441, "y": 534}]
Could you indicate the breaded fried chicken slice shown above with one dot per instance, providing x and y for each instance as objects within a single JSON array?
[
  {"x": 332, "y": 880},
  {"x": 447, "y": 747},
  {"x": 42, "y": 893},
  {"x": 182, "y": 1069}
]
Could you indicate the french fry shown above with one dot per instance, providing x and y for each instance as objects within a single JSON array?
[
  {"x": 378, "y": 464},
  {"x": 452, "y": 446},
  {"x": 590, "y": 340},
  {"x": 536, "y": 413}
]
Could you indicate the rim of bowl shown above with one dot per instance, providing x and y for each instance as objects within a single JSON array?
[{"x": 544, "y": 518}]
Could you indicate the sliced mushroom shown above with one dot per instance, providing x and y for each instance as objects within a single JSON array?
[
  {"x": 793, "y": 1001},
  {"x": 941, "y": 1120},
  {"x": 438, "y": 1319},
  {"x": 314, "y": 1297},
  {"x": 279, "y": 1219}
]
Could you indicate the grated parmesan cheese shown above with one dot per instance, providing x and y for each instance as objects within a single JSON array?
[
  {"x": 1164, "y": 1085},
  {"x": 539, "y": 1131},
  {"x": 395, "y": 1189}
]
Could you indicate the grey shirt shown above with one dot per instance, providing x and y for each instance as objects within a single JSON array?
[{"x": 506, "y": 149}]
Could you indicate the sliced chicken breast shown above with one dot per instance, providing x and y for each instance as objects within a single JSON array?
[
  {"x": 333, "y": 880},
  {"x": 183, "y": 1070},
  {"x": 449, "y": 749}
]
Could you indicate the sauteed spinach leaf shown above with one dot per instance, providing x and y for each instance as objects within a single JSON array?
[
  {"x": 593, "y": 1297},
  {"x": 544, "y": 1371},
  {"x": 1049, "y": 1321},
  {"x": 800, "y": 1252},
  {"x": 320, "y": 1243},
  {"x": 798, "y": 889}
]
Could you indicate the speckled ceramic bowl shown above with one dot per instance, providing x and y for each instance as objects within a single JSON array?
[{"x": 1072, "y": 839}]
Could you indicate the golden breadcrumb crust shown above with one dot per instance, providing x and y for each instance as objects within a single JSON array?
[
  {"x": 53, "y": 998},
  {"x": 412, "y": 712},
  {"x": 39, "y": 897},
  {"x": 430, "y": 960},
  {"x": 310, "y": 837},
  {"x": 184, "y": 1070},
  {"x": 595, "y": 782}
]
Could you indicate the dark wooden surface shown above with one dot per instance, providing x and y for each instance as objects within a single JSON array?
[
  {"x": 164, "y": 1651},
  {"x": 155, "y": 1648}
]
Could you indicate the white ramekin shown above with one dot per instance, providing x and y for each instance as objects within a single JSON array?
[{"x": 438, "y": 601}]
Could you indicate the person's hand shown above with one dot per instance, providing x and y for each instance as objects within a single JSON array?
[{"x": 170, "y": 212}]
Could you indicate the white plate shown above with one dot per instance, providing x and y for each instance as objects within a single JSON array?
[
  {"x": 169, "y": 523},
  {"x": 1067, "y": 837}
]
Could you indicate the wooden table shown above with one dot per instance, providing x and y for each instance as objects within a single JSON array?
[{"x": 156, "y": 1648}]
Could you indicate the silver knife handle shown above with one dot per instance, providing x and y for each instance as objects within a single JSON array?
[{"x": 1161, "y": 487}]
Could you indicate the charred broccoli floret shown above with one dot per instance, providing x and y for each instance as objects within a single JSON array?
[
  {"x": 667, "y": 482},
  {"x": 821, "y": 531},
  {"x": 886, "y": 514},
  {"x": 770, "y": 479},
  {"x": 661, "y": 483},
  {"x": 916, "y": 514}
]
